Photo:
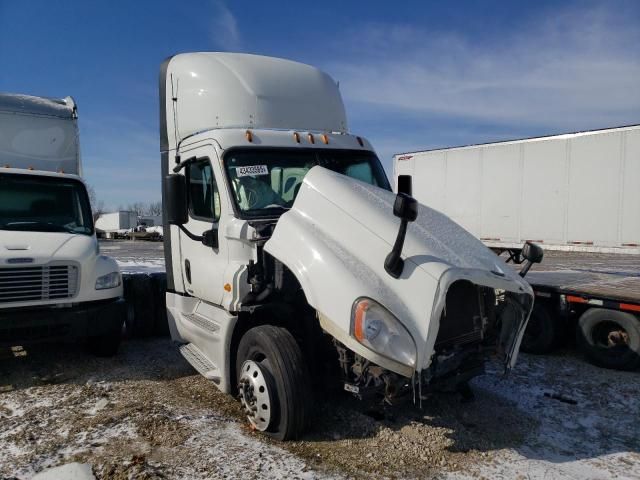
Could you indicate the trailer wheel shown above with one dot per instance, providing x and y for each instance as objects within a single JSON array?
[
  {"x": 542, "y": 331},
  {"x": 609, "y": 338},
  {"x": 273, "y": 383}
]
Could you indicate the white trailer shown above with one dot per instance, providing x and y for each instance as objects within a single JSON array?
[
  {"x": 576, "y": 192},
  {"x": 53, "y": 281},
  {"x": 117, "y": 221},
  {"x": 569, "y": 192},
  {"x": 289, "y": 258}
]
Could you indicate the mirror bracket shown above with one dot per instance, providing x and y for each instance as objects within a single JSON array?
[
  {"x": 210, "y": 238},
  {"x": 406, "y": 208}
]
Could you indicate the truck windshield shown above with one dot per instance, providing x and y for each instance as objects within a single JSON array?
[
  {"x": 266, "y": 182},
  {"x": 44, "y": 204}
]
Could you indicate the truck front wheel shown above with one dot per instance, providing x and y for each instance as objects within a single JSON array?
[
  {"x": 273, "y": 382},
  {"x": 609, "y": 338}
]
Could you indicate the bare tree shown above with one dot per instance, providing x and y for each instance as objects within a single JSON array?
[
  {"x": 138, "y": 207},
  {"x": 154, "y": 209}
]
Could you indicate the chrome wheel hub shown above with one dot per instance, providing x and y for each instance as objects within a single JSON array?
[{"x": 254, "y": 395}]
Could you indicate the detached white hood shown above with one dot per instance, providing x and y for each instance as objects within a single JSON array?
[{"x": 335, "y": 240}]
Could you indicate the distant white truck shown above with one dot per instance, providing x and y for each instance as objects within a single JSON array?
[
  {"x": 53, "y": 281},
  {"x": 576, "y": 191},
  {"x": 289, "y": 259},
  {"x": 116, "y": 223}
]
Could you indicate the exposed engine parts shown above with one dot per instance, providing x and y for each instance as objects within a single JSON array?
[{"x": 366, "y": 379}]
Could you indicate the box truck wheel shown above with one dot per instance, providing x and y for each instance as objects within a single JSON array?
[
  {"x": 273, "y": 382},
  {"x": 610, "y": 338},
  {"x": 542, "y": 331}
]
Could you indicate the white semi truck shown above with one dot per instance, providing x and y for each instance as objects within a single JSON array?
[
  {"x": 575, "y": 192},
  {"x": 54, "y": 284},
  {"x": 290, "y": 263}
]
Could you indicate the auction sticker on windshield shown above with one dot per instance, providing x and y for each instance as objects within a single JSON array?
[{"x": 252, "y": 170}]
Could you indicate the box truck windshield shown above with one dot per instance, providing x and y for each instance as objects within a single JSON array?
[
  {"x": 43, "y": 204},
  {"x": 266, "y": 181}
]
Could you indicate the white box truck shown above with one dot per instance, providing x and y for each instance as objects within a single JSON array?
[
  {"x": 117, "y": 222},
  {"x": 289, "y": 259},
  {"x": 54, "y": 283},
  {"x": 575, "y": 192}
]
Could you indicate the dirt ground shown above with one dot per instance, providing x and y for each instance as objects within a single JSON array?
[{"x": 146, "y": 413}]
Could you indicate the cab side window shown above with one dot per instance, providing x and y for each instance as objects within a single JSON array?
[{"x": 204, "y": 198}]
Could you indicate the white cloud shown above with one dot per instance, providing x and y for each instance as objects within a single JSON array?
[
  {"x": 224, "y": 30},
  {"x": 576, "y": 69}
]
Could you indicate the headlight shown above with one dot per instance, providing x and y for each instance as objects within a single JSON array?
[
  {"x": 110, "y": 280},
  {"x": 377, "y": 329}
]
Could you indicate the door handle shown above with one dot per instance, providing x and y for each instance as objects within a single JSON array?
[{"x": 187, "y": 270}]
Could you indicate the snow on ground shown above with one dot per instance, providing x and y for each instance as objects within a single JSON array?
[
  {"x": 145, "y": 412},
  {"x": 137, "y": 256},
  {"x": 587, "y": 420},
  {"x": 142, "y": 413}
]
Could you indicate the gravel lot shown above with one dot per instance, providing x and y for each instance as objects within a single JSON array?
[{"x": 146, "y": 414}]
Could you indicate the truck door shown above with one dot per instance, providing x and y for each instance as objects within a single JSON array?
[{"x": 202, "y": 266}]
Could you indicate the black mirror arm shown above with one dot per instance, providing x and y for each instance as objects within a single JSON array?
[
  {"x": 524, "y": 270},
  {"x": 394, "y": 264},
  {"x": 184, "y": 163},
  {"x": 196, "y": 238}
]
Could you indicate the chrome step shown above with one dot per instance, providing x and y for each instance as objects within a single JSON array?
[{"x": 202, "y": 364}]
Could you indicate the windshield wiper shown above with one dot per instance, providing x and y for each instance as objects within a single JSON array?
[{"x": 35, "y": 226}]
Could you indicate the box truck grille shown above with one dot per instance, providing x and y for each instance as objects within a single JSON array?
[{"x": 48, "y": 282}]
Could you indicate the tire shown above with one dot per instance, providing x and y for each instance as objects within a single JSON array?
[
  {"x": 105, "y": 345},
  {"x": 280, "y": 359},
  {"x": 141, "y": 305},
  {"x": 609, "y": 338},
  {"x": 161, "y": 323},
  {"x": 542, "y": 332}
]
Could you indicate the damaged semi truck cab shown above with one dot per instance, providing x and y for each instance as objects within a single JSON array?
[
  {"x": 291, "y": 263},
  {"x": 54, "y": 284}
]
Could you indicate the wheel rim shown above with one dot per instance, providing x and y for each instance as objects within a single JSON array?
[
  {"x": 254, "y": 395},
  {"x": 610, "y": 335}
]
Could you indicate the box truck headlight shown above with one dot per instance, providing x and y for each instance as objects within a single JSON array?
[
  {"x": 377, "y": 329},
  {"x": 110, "y": 280}
]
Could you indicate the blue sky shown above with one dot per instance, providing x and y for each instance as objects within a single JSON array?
[{"x": 413, "y": 75}]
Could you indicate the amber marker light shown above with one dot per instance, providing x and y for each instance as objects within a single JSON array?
[
  {"x": 296, "y": 137},
  {"x": 249, "y": 136},
  {"x": 311, "y": 139},
  {"x": 227, "y": 287},
  {"x": 358, "y": 324},
  {"x": 325, "y": 139}
]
